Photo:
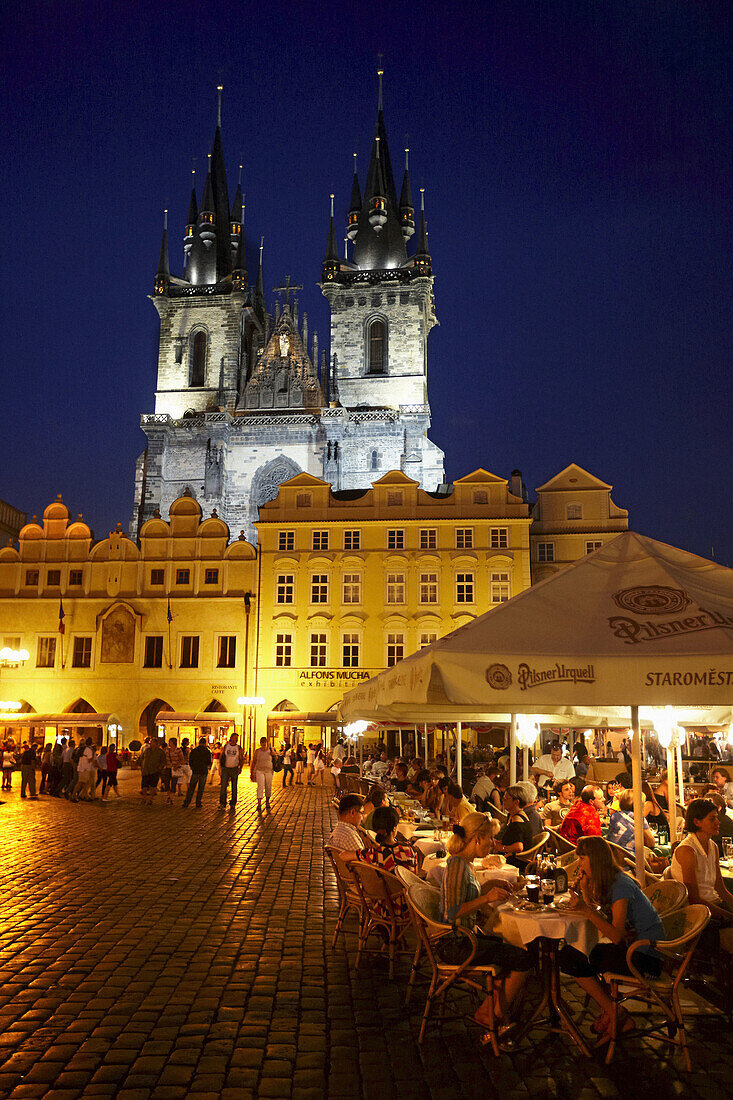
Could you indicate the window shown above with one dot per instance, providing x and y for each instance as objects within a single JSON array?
[
  {"x": 198, "y": 359},
  {"x": 395, "y": 588},
  {"x": 54, "y": 576},
  {"x": 394, "y": 500},
  {"x": 396, "y": 539},
  {"x": 320, "y": 540},
  {"x": 395, "y": 649},
  {"x": 574, "y": 511},
  {"x": 75, "y": 577},
  {"x": 211, "y": 576},
  {"x": 227, "y": 651},
  {"x": 82, "y": 653},
  {"x": 31, "y": 576},
  {"x": 377, "y": 347},
  {"x": 375, "y": 460},
  {"x": 183, "y": 576},
  {"x": 318, "y": 650},
  {"x": 428, "y": 538},
  {"x": 285, "y": 588},
  {"x": 464, "y": 587},
  {"x": 283, "y": 650},
  {"x": 352, "y": 540},
  {"x": 464, "y": 538},
  {"x": 157, "y": 576},
  {"x": 319, "y": 588},
  {"x": 350, "y": 648},
  {"x": 595, "y": 544},
  {"x": 498, "y": 538},
  {"x": 480, "y": 496},
  {"x": 545, "y": 551},
  {"x": 500, "y": 587},
  {"x": 153, "y": 651},
  {"x": 190, "y": 651},
  {"x": 352, "y": 588},
  {"x": 46, "y": 655},
  {"x": 12, "y": 642},
  {"x": 286, "y": 540},
  {"x": 303, "y": 500},
  {"x": 428, "y": 588},
  {"x": 427, "y": 638}
]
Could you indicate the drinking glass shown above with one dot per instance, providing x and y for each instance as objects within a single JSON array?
[
  {"x": 533, "y": 888},
  {"x": 548, "y": 890},
  {"x": 728, "y": 848}
]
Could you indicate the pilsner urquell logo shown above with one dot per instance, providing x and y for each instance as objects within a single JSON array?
[
  {"x": 558, "y": 673},
  {"x": 659, "y": 599}
]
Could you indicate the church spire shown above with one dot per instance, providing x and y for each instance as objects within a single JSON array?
[
  {"x": 422, "y": 255},
  {"x": 220, "y": 194},
  {"x": 193, "y": 213},
  {"x": 355, "y": 207},
  {"x": 407, "y": 212},
  {"x": 331, "y": 264},
  {"x": 162, "y": 275},
  {"x": 260, "y": 285}
]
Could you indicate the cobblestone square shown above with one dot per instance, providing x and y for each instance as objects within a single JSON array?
[{"x": 168, "y": 952}]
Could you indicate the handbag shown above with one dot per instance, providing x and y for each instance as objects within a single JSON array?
[{"x": 277, "y": 763}]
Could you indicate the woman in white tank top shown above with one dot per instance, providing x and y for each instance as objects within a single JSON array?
[{"x": 696, "y": 861}]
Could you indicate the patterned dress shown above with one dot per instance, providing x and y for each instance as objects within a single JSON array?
[{"x": 389, "y": 859}]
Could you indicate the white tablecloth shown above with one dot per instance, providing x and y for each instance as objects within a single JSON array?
[
  {"x": 427, "y": 845},
  {"x": 520, "y": 928},
  {"x": 434, "y": 869}
]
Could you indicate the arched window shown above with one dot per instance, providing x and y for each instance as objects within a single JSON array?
[
  {"x": 375, "y": 460},
  {"x": 377, "y": 346},
  {"x": 198, "y": 359}
]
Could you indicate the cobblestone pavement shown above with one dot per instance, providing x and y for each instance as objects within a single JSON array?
[{"x": 162, "y": 952}]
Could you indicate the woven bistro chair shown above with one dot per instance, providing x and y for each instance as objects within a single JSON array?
[
  {"x": 424, "y": 903},
  {"x": 557, "y": 842},
  {"x": 408, "y": 879},
  {"x": 539, "y": 840},
  {"x": 380, "y": 891},
  {"x": 683, "y": 929},
  {"x": 349, "y": 895},
  {"x": 667, "y": 896}
]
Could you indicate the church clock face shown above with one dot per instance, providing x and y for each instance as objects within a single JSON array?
[{"x": 284, "y": 346}]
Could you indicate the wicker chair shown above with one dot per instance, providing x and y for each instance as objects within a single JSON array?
[
  {"x": 667, "y": 896},
  {"x": 557, "y": 842},
  {"x": 408, "y": 879},
  {"x": 683, "y": 929},
  {"x": 424, "y": 903},
  {"x": 539, "y": 840},
  {"x": 349, "y": 895},
  {"x": 381, "y": 910}
]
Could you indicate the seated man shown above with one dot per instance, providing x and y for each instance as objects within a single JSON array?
[
  {"x": 417, "y": 787},
  {"x": 584, "y": 818},
  {"x": 485, "y": 787},
  {"x": 380, "y": 767},
  {"x": 555, "y": 811},
  {"x": 399, "y": 780},
  {"x": 374, "y": 800},
  {"x": 347, "y": 834},
  {"x": 455, "y": 804},
  {"x": 621, "y": 829}
]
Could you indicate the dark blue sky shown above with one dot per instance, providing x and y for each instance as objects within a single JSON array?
[{"x": 576, "y": 160}]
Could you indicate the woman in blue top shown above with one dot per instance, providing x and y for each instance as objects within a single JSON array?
[{"x": 614, "y": 902}]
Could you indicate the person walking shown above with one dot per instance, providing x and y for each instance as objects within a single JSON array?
[
  {"x": 152, "y": 763},
  {"x": 310, "y": 766},
  {"x": 215, "y": 776},
  {"x": 230, "y": 765},
  {"x": 100, "y": 763},
  {"x": 299, "y": 764},
  {"x": 261, "y": 771},
  {"x": 8, "y": 765},
  {"x": 174, "y": 761},
  {"x": 113, "y": 765},
  {"x": 320, "y": 766},
  {"x": 45, "y": 770},
  {"x": 28, "y": 771},
  {"x": 288, "y": 765},
  {"x": 85, "y": 773},
  {"x": 199, "y": 761}
]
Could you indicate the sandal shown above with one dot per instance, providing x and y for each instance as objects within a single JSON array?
[{"x": 625, "y": 1023}]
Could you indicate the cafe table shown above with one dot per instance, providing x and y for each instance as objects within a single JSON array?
[
  {"x": 551, "y": 927},
  {"x": 434, "y": 868}
]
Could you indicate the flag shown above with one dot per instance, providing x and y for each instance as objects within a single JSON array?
[
  {"x": 62, "y": 628},
  {"x": 170, "y": 613}
]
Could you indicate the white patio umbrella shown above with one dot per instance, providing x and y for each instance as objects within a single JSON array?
[{"x": 635, "y": 624}]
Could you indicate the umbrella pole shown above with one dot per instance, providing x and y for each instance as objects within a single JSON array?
[
  {"x": 399, "y": 734},
  {"x": 638, "y": 803},
  {"x": 459, "y": 753},
  {"x": 525, "y": 764},
  {"x": 680, "y": 775},
  {"x": 513, "y": 751},
  {"x": 672, "y": 779},
  {"x": 425, "y": 735}
]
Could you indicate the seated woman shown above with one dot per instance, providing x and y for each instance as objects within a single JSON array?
[
  {"x": 725, "y": 823},
  {"x": 388, "y": 854},
  {"x": 724, "y": 787},
  {"x": 621, "y": 828},
  {"x": 516, "y": 836},
  {"x": 399, "y": 778},
  {"x": 455, "y": 804},
  {"x": 374, "y": 799},
  {"x": 615, "y": 904},
  {"x": 435, "y": 794},
  {"x": 653, "y": 811},
  {"x": 461, "y": 900},
  {"x": 350, "y": 766},
  {"x": 419, "y": 785},
  {"x": 661, "y": 792},
  {"x": 696, "y": 862}
]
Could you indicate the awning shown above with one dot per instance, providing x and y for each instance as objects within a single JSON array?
[
  {"x": 85, "y": 719},
  {"x": 200, "y": 718},
  {"x": 304, "y": 717}
]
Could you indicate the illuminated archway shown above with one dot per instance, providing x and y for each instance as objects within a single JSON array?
[{"x": 147, "y": 722}]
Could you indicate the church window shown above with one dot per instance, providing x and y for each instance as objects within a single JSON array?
[
  {"x": 31, "y": 576},
  {"x": 75, "y": 577},
  {"x": 183, "y": 576},
  {"x": 480, "y": 497},
  {"x": 283, "y": 650},
  {"x": 428, "y": 538},
  {"x": 464, "y": 538},
  {"x": 499, "y": 538},
  {"x": 318, "y": 650},
  {"x": 352, "y": 540},
  {"x": 545, "y": 551},
  {"x": 157, "y": 576},
  {"x": 394, "y": 499},
  {"x": 153, "y": 651},
  {"x": 211, "y": 576},
  {"x": 285, "y": 588},
  {"x": 190, "y": 651},
  {"x": 227, "y": 651},
  {"x": 352, "y": 588},
  {"x": 198, "y": 359},
  {"x": 574, "y": 511},
  {"x": 428, "y": 588},
  {"x": 395, "y": 649},
  {"x": 395, "y": 588},
  {"x": 286, "y": 540},
  {"x": 464, "y": 587},
  {"x": 320, "y": 540},
  {"x": 375, "y": 460},
  {"x": 500, "y": 587},
  {"x": 427, "y": 638},
  {"x": 377, "y": 346},
  {"x": 303, "y": 500},
  {"x": 46, "y": 656},
  {"x": 319, "y": 588},
  {"x": 54, "y": 576},
  {"x": 82, "y": 653},
  {"x": 396, "y": 539},
  {"x": 350, "y": 650},
  {"x": 595, "y": 544}
]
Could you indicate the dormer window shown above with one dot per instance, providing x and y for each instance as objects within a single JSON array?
[
  {"x": 377, "y": 346},
  {"x": 198, "y": 359}
]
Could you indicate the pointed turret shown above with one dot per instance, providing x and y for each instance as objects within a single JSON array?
[
  {"x": 239, "y": 268},
  {"x": 407, "y": 211},
  {"x": 221, "y": 201},
  {"x": 193, "y": 213},
  {"x": 331, "y": 263},
  {"x": 260, "y": 284},
  {"x": 378, "y": 196},
  {"x": 162, "y": 275},
  {"x": 235, "y": 218},
  {"x": 422, "y": 255},
  {"x": 202, "y": 266},
  {"x": 355, "y": 207}
]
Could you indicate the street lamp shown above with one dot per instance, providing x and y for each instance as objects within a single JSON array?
[{"x": 250, "y": 701}]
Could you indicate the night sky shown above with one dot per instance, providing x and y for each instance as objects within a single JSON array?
[{"x": 576, "y": 160}]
